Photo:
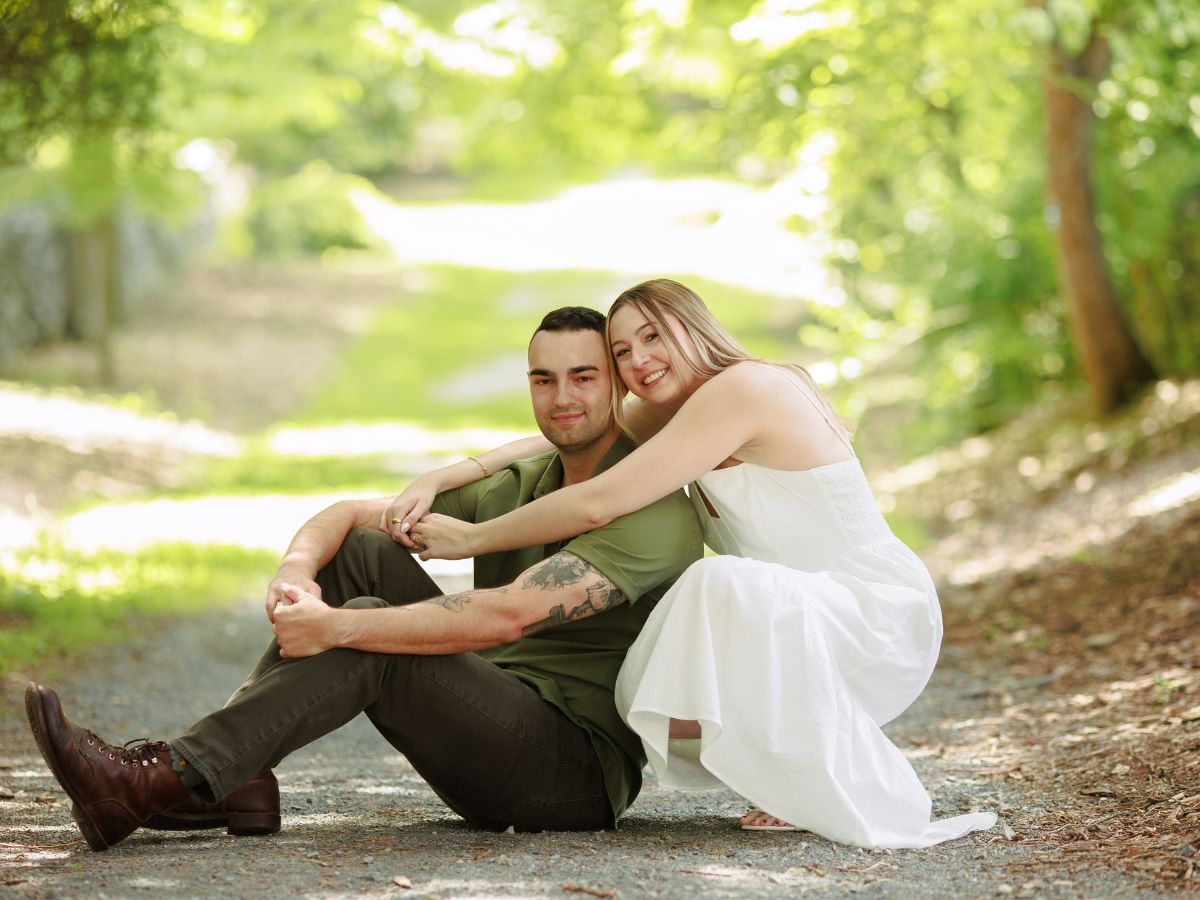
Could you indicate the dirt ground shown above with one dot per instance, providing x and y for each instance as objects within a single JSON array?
[{"x": 1067, "y": 700}]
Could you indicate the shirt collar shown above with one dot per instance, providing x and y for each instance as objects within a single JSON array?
[{"x": 552, "y": 478}]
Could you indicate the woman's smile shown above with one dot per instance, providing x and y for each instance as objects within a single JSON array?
[{"x": 653, "y": 377}]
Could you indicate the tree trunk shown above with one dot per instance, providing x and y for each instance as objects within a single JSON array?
[
  {"x": 105, "y": 355},
  {"x": 94, "y": 286},
  {"x": 1112, "y": 361}
]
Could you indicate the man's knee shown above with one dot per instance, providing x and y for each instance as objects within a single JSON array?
[{"x": 365, "y": 603}]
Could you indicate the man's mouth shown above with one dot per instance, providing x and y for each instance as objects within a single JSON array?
[
  {"x": 567, "y": 418},
  {"x": 653, "y": 377}
]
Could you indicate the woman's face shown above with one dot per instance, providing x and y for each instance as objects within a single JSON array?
[{"x": 643, "y": 361}]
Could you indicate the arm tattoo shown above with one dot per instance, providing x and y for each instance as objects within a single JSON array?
[
  {"x": 564, "y": 570},
  {"x": 458, "y": 602},
  {"x": 560, "y": 570}
]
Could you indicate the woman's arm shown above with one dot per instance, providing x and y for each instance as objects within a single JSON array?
[
  {"x": 644, "y": 420},
  {"x": 727, "y": 413},
  {"x": 408, "y": 507}
]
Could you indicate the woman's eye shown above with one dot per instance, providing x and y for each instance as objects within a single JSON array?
[
  {"x": 619, "y": 353},
  {"x": 650, "y": 336}
]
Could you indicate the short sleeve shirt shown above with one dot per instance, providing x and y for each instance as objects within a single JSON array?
[{"x": 574, "y": 666}]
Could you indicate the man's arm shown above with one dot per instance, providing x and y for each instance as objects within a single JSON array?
[
  {"x": 557, "y": 590},
  {"x": 315, "y": 544}
]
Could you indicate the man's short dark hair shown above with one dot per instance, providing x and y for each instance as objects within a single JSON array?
[{"x": 572, "y": 318}]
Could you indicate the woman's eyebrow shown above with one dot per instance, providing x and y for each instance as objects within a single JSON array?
[{"x": 639, "y": 331}]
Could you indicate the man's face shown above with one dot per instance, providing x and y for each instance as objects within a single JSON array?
[{"x": 570, "y": 387}]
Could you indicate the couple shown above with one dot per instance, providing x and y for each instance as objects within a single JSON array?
[{"x": 770, "y": 670}]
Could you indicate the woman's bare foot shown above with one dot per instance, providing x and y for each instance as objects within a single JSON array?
[
  {"x": 757, "y": 820},
  {"x": 684, "y": 730}
]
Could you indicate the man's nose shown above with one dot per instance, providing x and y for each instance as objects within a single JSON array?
[{"x": 565, "y": 395}]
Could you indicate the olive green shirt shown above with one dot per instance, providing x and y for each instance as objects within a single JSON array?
[{"x": 574, "y": 666}]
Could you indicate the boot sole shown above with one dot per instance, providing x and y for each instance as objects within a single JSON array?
[
  {"x": 37, "y": 723},
  {"x": 234, "y": 823}
]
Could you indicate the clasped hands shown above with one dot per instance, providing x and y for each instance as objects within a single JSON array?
[
  {"x": 409, "y": 522},
  {"x": 303, "y": 622}
]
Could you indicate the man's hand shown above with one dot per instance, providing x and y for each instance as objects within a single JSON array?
[
  {"x": 275, "y": 590},
  {"x": 303, "y": 623},
  {"x": 444, "y": 537}
]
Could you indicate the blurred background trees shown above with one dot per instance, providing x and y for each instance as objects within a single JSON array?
[{"x": 1007, "y": 192}]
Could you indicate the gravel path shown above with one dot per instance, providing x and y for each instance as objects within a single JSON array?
[{"x": 358, "y": 820}]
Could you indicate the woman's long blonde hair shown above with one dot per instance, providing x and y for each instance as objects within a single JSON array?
[{"x": 716, "y": 348}]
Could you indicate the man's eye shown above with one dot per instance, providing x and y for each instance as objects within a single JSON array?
[{"x": 587, "y": 377}]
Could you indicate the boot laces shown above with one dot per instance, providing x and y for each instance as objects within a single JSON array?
[
  {"x": 137, "y": 751},
  {"x": 140, "y": 750}
]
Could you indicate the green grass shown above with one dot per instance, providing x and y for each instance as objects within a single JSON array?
[
  {"x": 260, "y": 471},
  {"x": 56, "y": 603},
  {"x": 464, "y": 318}
]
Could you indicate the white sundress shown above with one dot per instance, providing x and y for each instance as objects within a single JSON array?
[{"x": 815, "y": 627}]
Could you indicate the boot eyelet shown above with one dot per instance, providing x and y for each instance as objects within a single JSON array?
[
  {"x": 112, "y": 756},
  {"x": 144, "y": 763},
  {"x": 154, "y": 760}
]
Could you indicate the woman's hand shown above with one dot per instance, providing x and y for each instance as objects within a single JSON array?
[
  {"x": 407, "y": 509},
  {"x": 444, "y": 537}
]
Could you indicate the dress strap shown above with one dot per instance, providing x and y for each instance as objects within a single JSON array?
[{"x": 804, "y": 389}]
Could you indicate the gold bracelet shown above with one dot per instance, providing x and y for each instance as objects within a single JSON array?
[{"x": 486, "y": 473}]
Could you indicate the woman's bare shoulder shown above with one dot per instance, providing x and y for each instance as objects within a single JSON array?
[{"x": 750, "y": 375}]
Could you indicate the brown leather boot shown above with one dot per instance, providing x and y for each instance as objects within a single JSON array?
[
  {"x": 251, "y": 809},
  {"x": 114, "y": 789}
]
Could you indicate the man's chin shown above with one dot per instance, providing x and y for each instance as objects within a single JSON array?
[{"x": 571, "y": 440}]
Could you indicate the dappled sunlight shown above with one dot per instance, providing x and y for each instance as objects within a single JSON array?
[
  {"x": 720, "y": 230},
  {"x": 1174, "y": 493},
  {"x": 359, "y": 439},
  {"x": 16, "y": 530},
  {"x": 265, "y": 522},
  {"x": 262, "y": 523},
  {"x": 84, "y": 426}
]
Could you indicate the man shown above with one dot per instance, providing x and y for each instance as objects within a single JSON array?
[{"x": 501, "y": 697}]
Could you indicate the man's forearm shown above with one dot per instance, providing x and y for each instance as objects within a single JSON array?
[
  {"x": 558, "y": 590},
  {"x": 320, "y": 537},
  {"x": 455, "y": 623}
]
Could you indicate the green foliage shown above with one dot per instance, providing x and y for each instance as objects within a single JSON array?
[
  {"x": 303, "y": 214},
  {"x": 55, "y": 602},
  {"x": 77, "y": 69},
  {"x": 930, "y": 116}
]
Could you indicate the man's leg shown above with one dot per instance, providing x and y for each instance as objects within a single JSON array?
[
  {"x": 368, "y": 564},
  {"x": 486, "y": 742}
]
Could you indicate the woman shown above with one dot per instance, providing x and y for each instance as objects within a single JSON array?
[{"x": 784, "y": 655}]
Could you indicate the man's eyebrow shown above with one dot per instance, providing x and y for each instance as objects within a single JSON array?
[{"x": 574, "y": 370}]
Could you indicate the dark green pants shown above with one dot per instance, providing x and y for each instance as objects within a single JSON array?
[{"x": 485, "y": 741}]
